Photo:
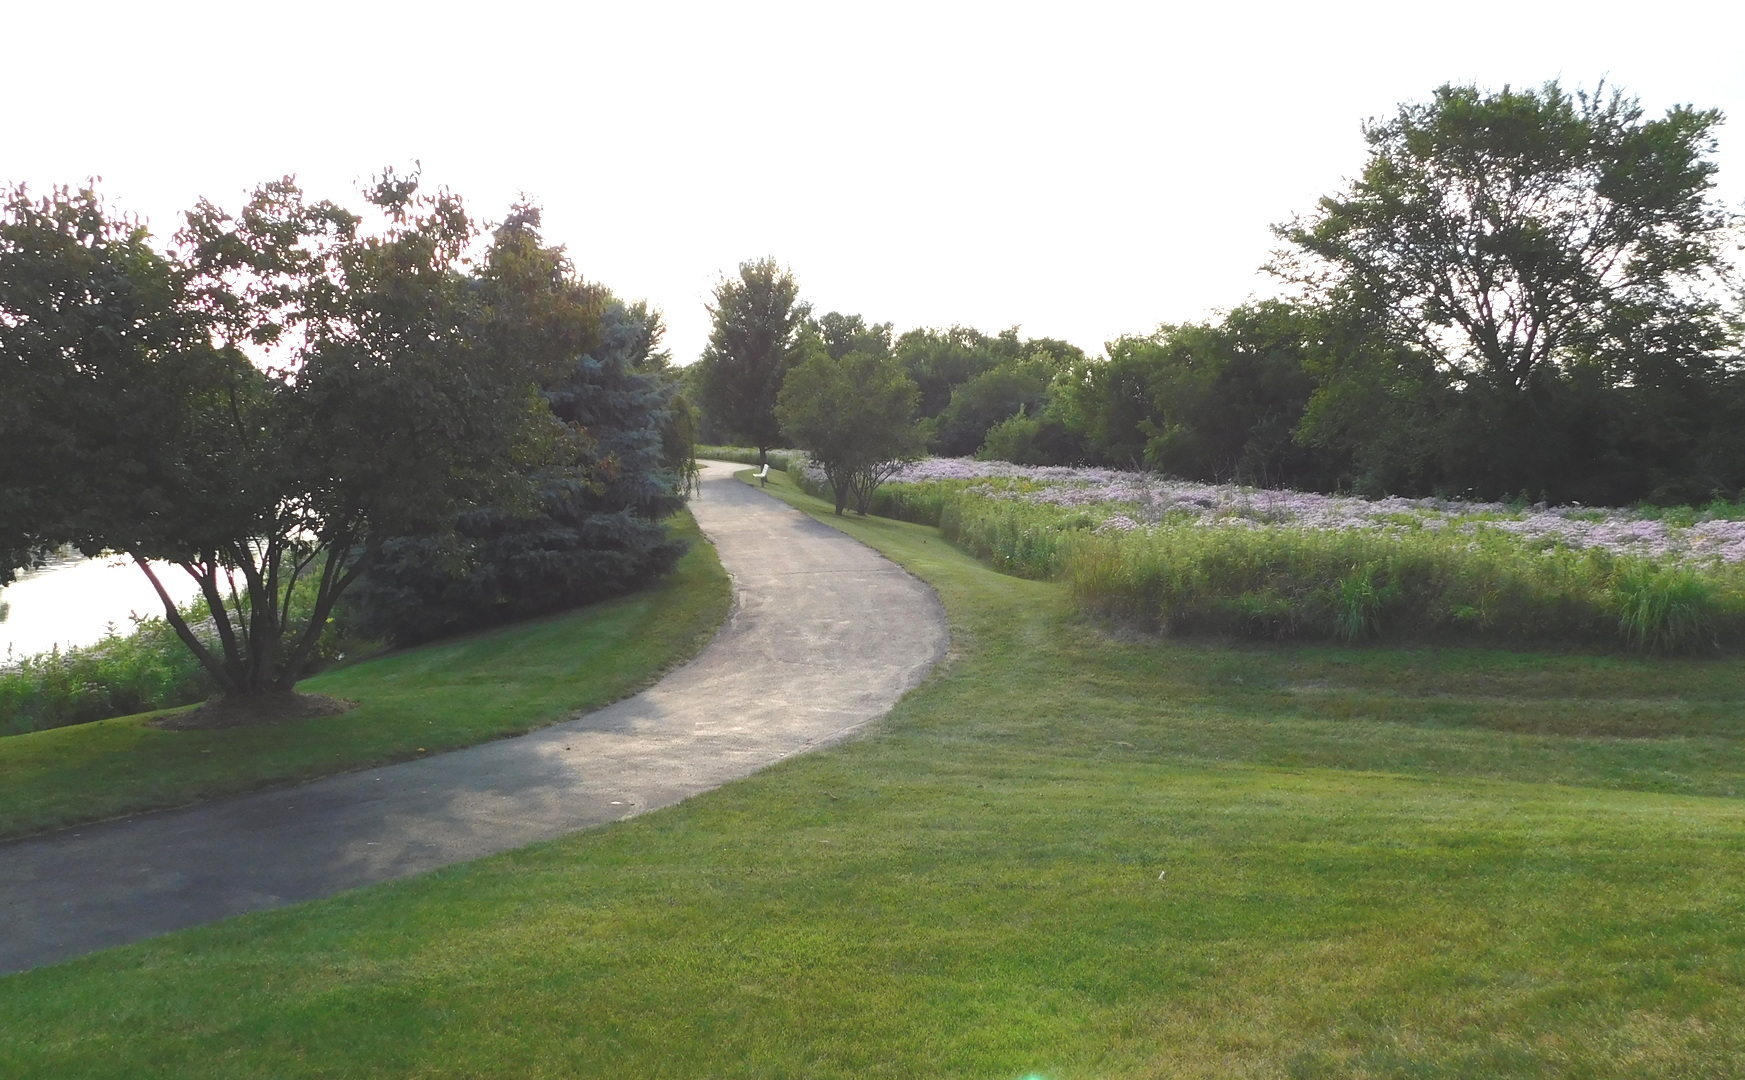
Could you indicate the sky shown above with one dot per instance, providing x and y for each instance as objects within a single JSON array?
[{"x": 1081, "y": 170}]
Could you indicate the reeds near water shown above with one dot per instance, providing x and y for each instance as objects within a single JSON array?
[
  {"x": 142, "y": 670},
  {"x": 147, "y": 669}
]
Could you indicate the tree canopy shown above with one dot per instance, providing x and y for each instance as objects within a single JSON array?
[
  {"x": 262, "y": 405},
  {"x": 1524, "y": 231},
  {"x": 1524, "y": 290},
  {"x": 756, "y": 319},
  {"x": 621, "y": 464},
  {"x": 108, "y": 374},
  {"x": 1211, "y": 401},
  {"x": 854, "y": 414}
]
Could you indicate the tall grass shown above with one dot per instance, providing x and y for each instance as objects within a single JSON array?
[
  {"x": 1281, "y": 582},
  {"x": 148, "y": 668}
]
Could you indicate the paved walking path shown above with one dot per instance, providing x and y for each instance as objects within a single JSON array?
[{"x": 824, "y": 637}]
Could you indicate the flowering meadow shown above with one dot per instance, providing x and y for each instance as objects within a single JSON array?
[
  {"x": 1191, "y": 557},
  {"x": 1132, "y": 500}
]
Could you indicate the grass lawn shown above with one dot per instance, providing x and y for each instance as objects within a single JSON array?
[
  {"x": 1067, "y": 855},
  {"x": 420, "y": 701}
]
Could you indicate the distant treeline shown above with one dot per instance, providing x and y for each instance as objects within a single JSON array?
[
  {"x": 969, "y": 381},
  {"x": 1525, "y": 294},
  {"x": 1283, "y": 394}
]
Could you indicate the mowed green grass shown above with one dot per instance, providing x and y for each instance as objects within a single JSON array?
[
  {"x": 1066, "y": 855},
  {"x": 411, "y": 703}
]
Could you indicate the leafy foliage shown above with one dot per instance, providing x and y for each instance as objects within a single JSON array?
[
  {"x": 1522, "y": 294},
  {"x": 1041, "y": 438},
  {"x": 969, "y": 381},
  {"x": 598, "y": 526},
  {"x": 757, "y": 319},
  {"x": 842, "y": 334},
  {"x": 991, "y": 398},
  {"x": 1515, "y": 234},
  {"x": 107, "y": 379},
  {"x": 1210, "y": 402},
  {"x": 1520, "y": 297},
  {"x": 853, "y": 414},
  {"x": 375, "y": 405},
  {"x": 147, "y": 669},
  {"x": 144, "y": 669}
]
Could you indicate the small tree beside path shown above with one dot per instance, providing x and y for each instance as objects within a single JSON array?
[{"x": 855, "y": 416}]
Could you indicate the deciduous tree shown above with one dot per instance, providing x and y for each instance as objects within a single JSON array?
[
  {"x": 1530, "y": 284},
  {"x": 262, "y": 406},
  {"x": 855, "y": 417},
  {"x": 1518, "y": 232},
  {"x": 757, "y": 317}
]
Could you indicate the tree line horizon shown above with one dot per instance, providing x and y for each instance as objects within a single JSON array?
[{"x": 1525, "y": 294}]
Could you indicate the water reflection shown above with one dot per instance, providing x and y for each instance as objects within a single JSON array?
[{"x": 74, "y": 600}]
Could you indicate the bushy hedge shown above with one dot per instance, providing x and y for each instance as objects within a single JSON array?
[
  {"x": 147, "y": 669},
  {"x": 1292, "y": 583}
]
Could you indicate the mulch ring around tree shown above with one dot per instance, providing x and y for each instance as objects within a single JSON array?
[{"x": 226, "y": 712}]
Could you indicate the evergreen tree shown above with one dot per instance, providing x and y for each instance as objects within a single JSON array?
[{"x": 599, "y": 526}]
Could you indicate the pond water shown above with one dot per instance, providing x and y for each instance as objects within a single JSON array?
[{"x": 74, "y": 600}]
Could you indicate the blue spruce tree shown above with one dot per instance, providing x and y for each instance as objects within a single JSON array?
[{"x": 599, "y": 527}]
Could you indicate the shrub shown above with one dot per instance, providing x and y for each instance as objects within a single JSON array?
[
  {"x": 147, "y": 669},
  {"x": 1667, "y": 609}
]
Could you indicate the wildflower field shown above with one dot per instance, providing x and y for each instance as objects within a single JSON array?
[{"x": 1186, "y": 557}]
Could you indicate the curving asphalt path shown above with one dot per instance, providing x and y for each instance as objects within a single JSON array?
[{"x": 824, "y": 637}]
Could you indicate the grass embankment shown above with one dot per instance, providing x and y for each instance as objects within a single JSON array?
[
  {"x": 420, "y": 701},
  {"x": 1377, "y": 863}
]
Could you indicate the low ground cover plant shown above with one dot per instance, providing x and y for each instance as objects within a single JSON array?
[{"x": 1186, "y": 557}]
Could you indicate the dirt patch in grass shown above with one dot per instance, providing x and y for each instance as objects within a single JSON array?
[{"x": 226, "y": 712}]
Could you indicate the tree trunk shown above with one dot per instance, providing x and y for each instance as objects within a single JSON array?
[{"x": 219, "y": 670}]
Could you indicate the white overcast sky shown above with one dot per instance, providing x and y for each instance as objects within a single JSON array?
[{"x": 1082, "y": 170}]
